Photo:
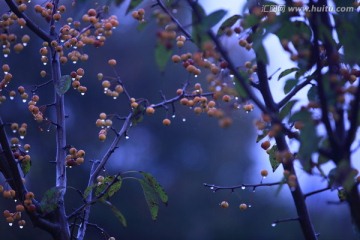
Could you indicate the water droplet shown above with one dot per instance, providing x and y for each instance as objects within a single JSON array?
[
  {"x": 236, "y": 98},
  {"x": 127, "y": 137},
  {"x": 21, "y": 227},
  {"x": 263, "y": 177},
  {"x": 196, "y": 76},
  {"x": 24, "y": 100},
  {"x": 6, "y": 55},
  {"x": 11, "y": 98},
  {"x": 249, "y": 206},
  {"x": 5, "y": 72},
  {"x": 114, "y": 98},
  {"x": 174, "y": 10},
  {"x": 44, "y": 63},
  {"x": 14, "y": 131},
  {"x": 26, "y": 151},
  {"x": 24, "y": 44},
  {"x": 243, "y": 187},
  {"x": 231, "y": 75},
  {"x": 74, "y": 62},
  {"x": 10, "y": 224},
  {"x": 212, "y": 188},
  {"x": 22, "y": 137},
  {"x": 184, "y": 119},
  {"x": 83, "y": 93},
  {"x": 173, "y": 116},
  {"x": 273, "y": 224}
]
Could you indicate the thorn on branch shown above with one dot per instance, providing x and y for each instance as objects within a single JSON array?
[{"x": 273, "y": 224}]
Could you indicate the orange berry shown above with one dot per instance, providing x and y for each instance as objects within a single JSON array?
[
  {"x": 112, "y": 62},
  {"x": 20, "y": 208},
  {"x": 166, "y": 122},
  {"x": 102, "y": 137},
  {"x": 265, "y": 145},
  {"x": 264, "y": 173},
  {"x": 226, "y": 98},
  {"x": 243, "y": 206},
  {"x": 224, "y": 204},
  {"x": 150, "y": 110},
  {"x": 176, "y": 58}
]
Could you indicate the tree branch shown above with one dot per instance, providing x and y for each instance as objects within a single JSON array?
[
  {"x": 29, "y": 23},
  {"x": 182, "y": 29},
  {"x": 293, "y": 92},
  {"x": 215, "y": 188}
]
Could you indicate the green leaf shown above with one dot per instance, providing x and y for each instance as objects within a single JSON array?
[
  {"x": 259, "y": 48},
  {"x": 312, "y": 93},
  {"x": 118, "y": 2},
  {"x": 213, "y": 18},
  {"x": 283, "y": 181},
  {"x": 141, "y": 26},
  {"x": 162, "y": 56},
  {"x": 199, "y": 29},
  {"x": 290, "y": 28},
  {"x": 309, "y": 141},
  {"x": 101, "y": 187},
  {"x": 272, "y": 157},
  {"x": 89, "y": 189},
  {"x": 63, "y": 85},
  {"x": 287, "y": 72},
  {"x": 151, "y": 198},
  {"x": 290, "y": 84},
  {"x": 50, "y": 200},
  {"x": 347, "y": 26},
  {"x": 239, "y": 89},
  {"x": 324, "y": 144},
  {"x": 228, "y": 23},
  {"x": 342, "y": 195},
  {"x": 133, "y": 4},
  {"x": 156, "y": 186},
  {"x": 114, "y": 188},
  {"x": 116, "y": 211},
  {"x": 262, "y": 135},
  {"x": 286, "y": 110},
  {"x": 138, "y": 115},
  {"x": 250, "y": 21},
  {"x": 25, "y": 166}
]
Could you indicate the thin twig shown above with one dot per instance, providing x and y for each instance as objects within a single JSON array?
[{"x": 215, "y": 188}]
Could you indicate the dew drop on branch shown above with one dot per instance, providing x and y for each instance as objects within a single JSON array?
[{"x": 273, "y": 224}]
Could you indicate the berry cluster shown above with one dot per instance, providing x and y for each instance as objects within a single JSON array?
[
  {"x": 75, "y": 157},
  {"x": 11, "y": 217},
  {"x": 76, "y": 76}
]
